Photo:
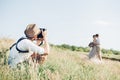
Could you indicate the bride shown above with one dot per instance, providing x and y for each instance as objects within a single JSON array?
[{"x": 93, "y": 51}]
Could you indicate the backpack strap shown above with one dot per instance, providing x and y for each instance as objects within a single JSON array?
[
  {"x": 20, "y": 51},
  {"x": 16, "y": 44},
  {"x": 12, "y": 46}
]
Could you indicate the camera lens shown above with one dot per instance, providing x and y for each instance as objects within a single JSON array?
[{"x": 40, "y": 35}]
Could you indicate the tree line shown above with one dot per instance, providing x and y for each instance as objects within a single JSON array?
[{"x": 85, "y": 49}]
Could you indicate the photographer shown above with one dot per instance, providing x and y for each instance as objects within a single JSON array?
[{"x": 28, "y": 47}]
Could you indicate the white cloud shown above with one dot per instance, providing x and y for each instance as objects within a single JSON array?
[{"x": 102, "y": 23}]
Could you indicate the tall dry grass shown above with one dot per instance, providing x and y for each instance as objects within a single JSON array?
[{"x": 60, "y": 65}]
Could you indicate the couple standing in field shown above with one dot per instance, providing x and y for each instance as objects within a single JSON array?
[{"x": 95, "y": 50}]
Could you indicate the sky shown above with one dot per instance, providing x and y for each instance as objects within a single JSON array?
[{"x": 70, "y": 22}]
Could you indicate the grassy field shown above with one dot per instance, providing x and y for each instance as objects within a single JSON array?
[{"x": 60, "y": 65}]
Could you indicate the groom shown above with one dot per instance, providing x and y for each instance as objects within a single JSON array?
[{"x": 98, "y": 47}]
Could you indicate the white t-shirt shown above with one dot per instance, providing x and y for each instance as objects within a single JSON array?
[
  {"x": 98, "y": 41},
  {"x": 15, "y": 57}
]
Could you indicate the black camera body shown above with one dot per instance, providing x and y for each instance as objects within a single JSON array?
[{"x": 40, "y": 35}]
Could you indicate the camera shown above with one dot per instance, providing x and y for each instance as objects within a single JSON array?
[{"x": 40, "y": 35}]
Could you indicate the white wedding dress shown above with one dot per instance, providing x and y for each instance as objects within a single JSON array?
[
  {"x": 93, "y": 57},
  {"x": 93, "y": 52}
]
